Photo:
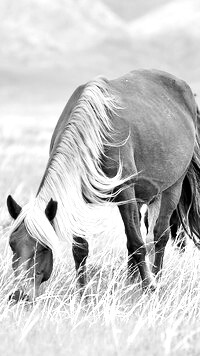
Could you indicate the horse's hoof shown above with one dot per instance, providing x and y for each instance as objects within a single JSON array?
[{"x": 149, "y": 287}]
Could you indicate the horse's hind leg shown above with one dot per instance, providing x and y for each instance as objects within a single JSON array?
[
  {"x": 135, "y": 244},
  {"x": 169, "y": 201},
  {"x": 153, "y": 210},
  {"x": 174, "y": 225},
  {"x": 80, "y": 251}
]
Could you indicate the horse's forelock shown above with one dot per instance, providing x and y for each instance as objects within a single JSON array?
[{"x": 37, "y": 226}]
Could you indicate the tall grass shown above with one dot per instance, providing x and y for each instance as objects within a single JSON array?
[{"x": 112, "y": 316}]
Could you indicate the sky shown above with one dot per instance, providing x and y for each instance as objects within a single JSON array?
[{"x": 49, "y": 47}]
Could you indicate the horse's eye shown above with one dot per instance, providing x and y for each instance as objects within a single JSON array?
[{"x": 17, "y": 228}]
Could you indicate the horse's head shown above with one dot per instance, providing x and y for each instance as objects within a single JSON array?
[{"x": 30, "y": 257}]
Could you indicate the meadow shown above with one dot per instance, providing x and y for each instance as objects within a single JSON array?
[
  {"x": 112, "y": 317},
  {"x": 43, "y": 59}
]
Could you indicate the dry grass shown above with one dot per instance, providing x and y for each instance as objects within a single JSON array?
[{"x": 112, "y": 317}]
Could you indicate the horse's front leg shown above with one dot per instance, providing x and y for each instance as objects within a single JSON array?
[
  {"x": 80, "y": 249},
  {"x": 135, "y": 244}
]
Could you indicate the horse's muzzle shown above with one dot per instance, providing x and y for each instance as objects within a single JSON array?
[{"x": 17, "y": 296}]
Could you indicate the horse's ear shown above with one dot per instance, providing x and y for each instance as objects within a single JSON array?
[
  {"x": 13, "y": 208},
  {"x": 51, "y": 209}
]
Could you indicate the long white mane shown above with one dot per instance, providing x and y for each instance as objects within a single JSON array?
[{"x": 74, "y": 171}]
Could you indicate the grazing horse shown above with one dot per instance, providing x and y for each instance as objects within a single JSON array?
[{"x": 126, "y": 141}]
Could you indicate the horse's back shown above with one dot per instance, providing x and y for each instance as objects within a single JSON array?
[{"x": 145, "y": 88}]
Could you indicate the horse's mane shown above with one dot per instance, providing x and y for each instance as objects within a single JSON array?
[{"x": 74, "y": 175}]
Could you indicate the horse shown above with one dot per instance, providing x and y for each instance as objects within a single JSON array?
[{"x": 126, "y": 142}]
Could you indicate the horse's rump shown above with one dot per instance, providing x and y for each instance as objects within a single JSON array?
[{"x": 159, "y": 113}]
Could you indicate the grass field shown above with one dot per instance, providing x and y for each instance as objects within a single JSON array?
[
  {"x": 43, "y": 59},
  {"x": 112, "y": 317}
]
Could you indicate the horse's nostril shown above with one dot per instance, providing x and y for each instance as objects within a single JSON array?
[{"x": 25, "y": 297}]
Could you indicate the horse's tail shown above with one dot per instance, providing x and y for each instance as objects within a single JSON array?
[{"x": 189, "y": 204}]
